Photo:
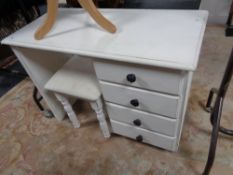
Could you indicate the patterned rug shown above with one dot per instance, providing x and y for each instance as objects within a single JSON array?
[{"x": 30, "y": 144}]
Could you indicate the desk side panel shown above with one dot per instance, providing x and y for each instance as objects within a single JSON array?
[
  {"x": 40, "y": 66},
  {"x": 183, "y": 107}
]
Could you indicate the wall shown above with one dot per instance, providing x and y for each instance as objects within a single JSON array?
[
  {"x": 62, "y": 1},
  {"x": 218, "y": 10},
  {"x": 163, "y": 4}
]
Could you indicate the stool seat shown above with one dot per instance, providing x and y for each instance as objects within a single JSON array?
[{"x": 76, "y": 78}]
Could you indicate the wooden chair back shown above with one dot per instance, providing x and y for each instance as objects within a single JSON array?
[{"x": 88, "y": 5}]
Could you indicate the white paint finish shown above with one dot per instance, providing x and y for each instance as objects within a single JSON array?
[
  {"x": 185, "y": 96},
  {"x": 148, "y": 101},
  {"x": 149, "y": 121},
  {"x": 97, "y": 106},
  {"x": 40, "y": 66},
  {"x": 152, "y": 138},
  {"x": 165, "y": 38},
  {"x": 76, "y": 78},
  {"x": 147, "y": 77},
  {"x": 156, "y": 38},
  {"x": 69, "y": 110}
]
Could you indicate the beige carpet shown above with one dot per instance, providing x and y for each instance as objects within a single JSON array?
[{"x": 33, "y": 145}]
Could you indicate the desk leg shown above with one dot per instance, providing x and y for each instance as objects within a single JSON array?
[{"x": 40, "y": 66}]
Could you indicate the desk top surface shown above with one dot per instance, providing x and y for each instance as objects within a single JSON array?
[{"x": 165, "y": 38}]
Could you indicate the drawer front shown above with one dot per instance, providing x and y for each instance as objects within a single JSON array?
[
  {"x": 143, "y": 135},
  {"x": 140, "y": 99},
  {"x": 156, "y": 79},
  {"x": 141, "y": 119}
]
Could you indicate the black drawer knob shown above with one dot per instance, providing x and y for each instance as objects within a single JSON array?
[
  {"x": 134, "y": 102},
  {"x": 131, "y": 78},
  {"x": 137, "y": 122},
  {"x": 139, "y": 138}
]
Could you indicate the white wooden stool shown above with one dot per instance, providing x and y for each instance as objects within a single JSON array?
[{"x": 77, "y": 78}]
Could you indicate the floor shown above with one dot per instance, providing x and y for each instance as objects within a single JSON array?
[{"x": 33, "y": 145}]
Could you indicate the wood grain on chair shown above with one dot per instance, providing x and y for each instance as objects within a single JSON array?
[{"x": 88, "y": 5}]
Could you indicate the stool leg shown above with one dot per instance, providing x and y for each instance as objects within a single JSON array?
[
  {"x": 69, "y": 110},
  {"x": 97, "y": 106},
  {"x": 208, "y": 106},
  {"x": 216, "y": 117},
  {"x": 37, "y": 100}
]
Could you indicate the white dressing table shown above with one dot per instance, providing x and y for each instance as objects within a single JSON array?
[{"x": 145, "y": 69}]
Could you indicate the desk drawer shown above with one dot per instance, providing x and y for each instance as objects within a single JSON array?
[
  {"x": 143, "y": 135},
  {"x": 156, "y": 79},
  {"x": 140, "y": 99},
  {"x": 141, "y": 119}
]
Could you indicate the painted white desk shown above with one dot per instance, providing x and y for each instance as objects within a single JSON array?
[{"x": 145, "y": 69}]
